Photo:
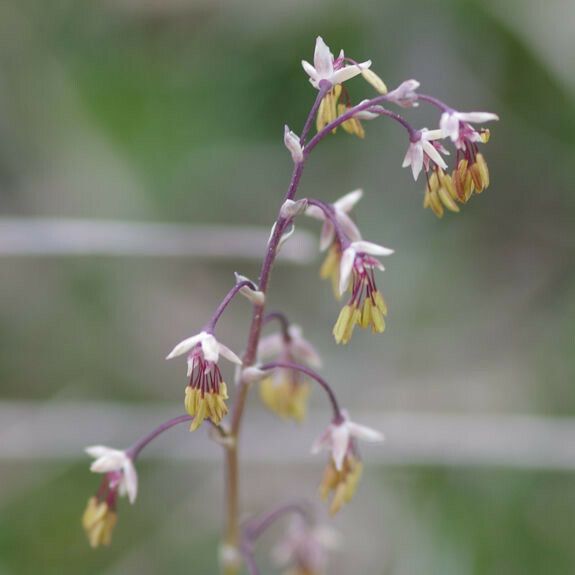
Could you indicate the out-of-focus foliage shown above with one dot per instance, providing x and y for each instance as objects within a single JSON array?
[{"x": 174, "y": 111}]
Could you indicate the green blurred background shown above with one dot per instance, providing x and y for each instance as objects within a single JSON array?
[{"x": 173, "y": 111}]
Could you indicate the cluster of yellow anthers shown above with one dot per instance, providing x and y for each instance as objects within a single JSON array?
[
  {"x": 371, "y": 314},
  {"x": 448, "y": 190},
  {"x": 206, "y": 392},
  {"x": 285, "y": 394},
  {"x": 353, "y": 269},
  {"x": 98, "y": 522},
  {"x": 286, "y": 391},
  {"x": 341, "y": 483},
  {"x": 208, "y": 403}
]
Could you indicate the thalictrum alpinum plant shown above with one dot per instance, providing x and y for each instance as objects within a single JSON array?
[{"x": 283, "y": 365}]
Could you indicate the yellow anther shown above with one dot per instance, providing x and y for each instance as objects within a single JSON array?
[
  {"x": 98, "y": 522},
  {"x": 342, "y": 483},
  {"x": 372, "y": 78}
]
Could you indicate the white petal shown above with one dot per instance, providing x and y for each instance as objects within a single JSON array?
[
  {"x": 345, "y": 269},
  {"x": 302, "y": 349},
  {"x": 270, "y": 345},
  {"x": 229, "y": 354},
  {"x": 210, "y": 348},
  {"x": 97, "y": 451},
  {"x": 434, "y": 155},
  {"x": 327, "y": 236},
  {"x": 185, "y": 345},
  {"x": 340, "y": 444},
  {"x": 347, "y": 202},
  {"x": 363, "y": 432},
  {"x": 348, "y": 226},
  {"x": 113, "y": 461},
  {"x": 414, "y": 158},
  {"x": 309, "y": 70},
  {"x": 477, "y": 117},
  {"x": 323, "y": 441},
  {"x": 427, "y": 135},
  {"x": 322, "y": 59},
  {"x": 131, "y": 480},
  {"x": 449, "y": 125},
  {"x": 348, "y": 72},
  {"x": 371, "y": 248},
  {"x": 315, "y": 212}
]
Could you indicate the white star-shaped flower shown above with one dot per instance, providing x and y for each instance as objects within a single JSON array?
[
  {"x": 326, "y": 67},
  {"x": 422, "y": 151},
  {"x": 337, "y": 439},
  {"x": 342, "y": 208},
  {"x": 348, "y": 259},
  {"x": 108, "y": 460},
  {"x": 451, "y": 123},
  {"x": 210, "y": 348}
]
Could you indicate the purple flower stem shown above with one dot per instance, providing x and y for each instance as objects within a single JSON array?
[
  {"x": 283, "y": 321},
  {"x": 224, "y": 303},
  {"x": 329, "y": 213},
  {"x": 232, "y": 465},
  {"x": 135, "y": 450},
  {"x": 255, "y": 527},
  {"x": 351, "y": 112},
  {"x": 323, "y": 90},
  {"x": 337, "y": 415},
  {"x": 434, "y": 102}
]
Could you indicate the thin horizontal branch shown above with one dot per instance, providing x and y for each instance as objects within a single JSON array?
[
  {"x": 84, "y": 237},
  {"x": 34, "y": 431}
]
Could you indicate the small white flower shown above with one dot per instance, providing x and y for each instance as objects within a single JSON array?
[
  {"x": 255, "y": 296},
  {"x": 405, "y": 94},
  {"x": 210, "y": 348},
  {"x": 451, "y": 123},
  {"x": 341, "y": 207},
  {"x": 348, "y": 259},
  {"x": 337, "y": 439},
  {"x": 326, "y": 67},
  {"x": 305, "y": 546},
  {"x": 298, "y": 348},
  {"x": 108, "y": 460},
  {"x": 422, "y": 151}
]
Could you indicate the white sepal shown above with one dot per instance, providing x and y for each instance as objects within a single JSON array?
[{"x": 346, "y": 268}]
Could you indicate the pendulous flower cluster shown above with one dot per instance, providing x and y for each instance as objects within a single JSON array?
[{"x": 284, "y": 364}]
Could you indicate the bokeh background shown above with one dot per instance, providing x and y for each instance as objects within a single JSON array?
[{"x": 172, "y": 111}]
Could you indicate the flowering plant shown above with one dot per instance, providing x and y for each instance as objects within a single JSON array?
[{"x": 283, "y": 365}]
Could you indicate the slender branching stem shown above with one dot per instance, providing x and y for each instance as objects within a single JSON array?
[
  {"x": 337, "y": 415},
  {"x": 134, "y": 451},
  {"x": 232, "y": 536},
  {"x": 226, "y": 301}
]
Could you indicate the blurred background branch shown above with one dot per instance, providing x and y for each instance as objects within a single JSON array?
[{"x": 83, "y": 237}]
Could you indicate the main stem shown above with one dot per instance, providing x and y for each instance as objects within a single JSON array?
[{"x": 232, "y": 537}]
